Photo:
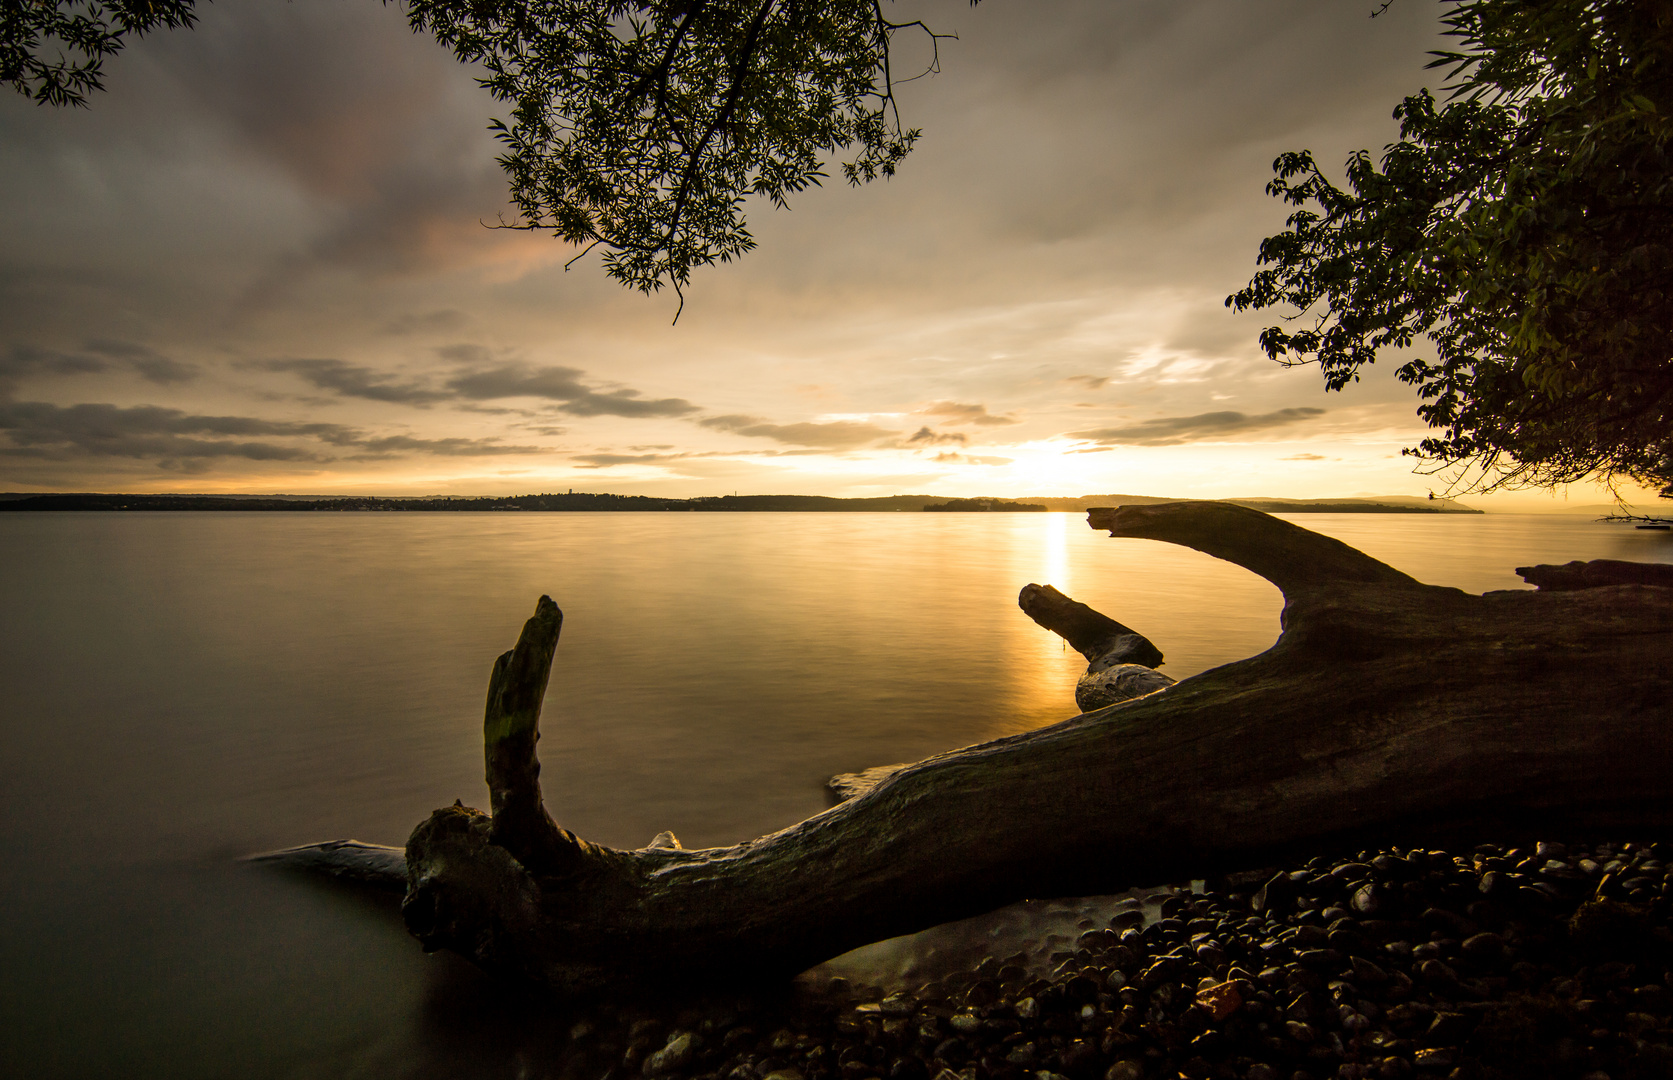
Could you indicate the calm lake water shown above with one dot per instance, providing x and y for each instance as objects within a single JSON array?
[{"x": 183, "y": 689}]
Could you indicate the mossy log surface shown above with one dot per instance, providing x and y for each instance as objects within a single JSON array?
[{"x": 1387, "y": 711}]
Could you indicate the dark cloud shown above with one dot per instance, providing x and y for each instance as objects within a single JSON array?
[
  {"x": 179, "y": 440},
  {"x": 605, "y": 461},
  {"x": 428, "y": 322},
  {"x": 151, "y": 364},
  {"x": 40, "y": 429},
  {"x": 21, "y": 361},
  {"x": 516, "y": 380},
  {"x": 1091, "y": 382},
  {"x": 352, "y": 380},
  {"x": 368, "y": 120},
  {"x": 953, "y": 412},
  {"x": 835, "y": 435},
  {"x": 1174, "y": 430},
  {"x": 925, "y": 437},
  {"x": 465, "y": 353},
  {"x": 403, "y": 445},
  {"x": 564, "y": 386}
]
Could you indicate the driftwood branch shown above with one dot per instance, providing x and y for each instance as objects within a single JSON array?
[
  {"x": 1120, "y": 662},
  {"x": 1292, "y": 558},
  {"x": 1103, "y": 641},
  {"x": 373, "y": 865},
  {"x": 1388, "y": 712}
]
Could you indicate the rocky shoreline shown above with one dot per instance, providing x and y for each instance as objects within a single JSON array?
[{"x": 1543, "y": 960}]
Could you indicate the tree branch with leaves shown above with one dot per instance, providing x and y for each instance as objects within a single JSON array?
[
  {"x": 54, "y": 50},
  {"x": 1523, "y": 228},
  {"x": 642, "y": 128},
  {"x": 637, "y": 128}
]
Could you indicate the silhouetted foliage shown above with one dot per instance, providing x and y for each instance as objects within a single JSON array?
[
  {"x": 642, "y": 127},
  {"x": 53, "y": 50},
  {"x": 636, "y": 127},
  {"x": 1525, "y": 227}
]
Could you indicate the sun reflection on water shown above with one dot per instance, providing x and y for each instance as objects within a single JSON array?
[{"x": 1055, "y": 553}]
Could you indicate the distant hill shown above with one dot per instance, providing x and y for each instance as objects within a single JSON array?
[
  {"x": 983, "y": 506},
  {"x": 1383, "y": 504},
  {"x": 549, "y": 502},
  {"x": 586, "y": 501}
]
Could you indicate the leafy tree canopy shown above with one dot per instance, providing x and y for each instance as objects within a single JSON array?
[
  {"x": 53, "y": 50},
  {"x": 1525, "y": 228},
  {"x": 636, "y": 127}
]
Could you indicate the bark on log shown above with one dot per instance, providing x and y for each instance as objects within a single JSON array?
[
  {"x": 1103, "y": 641},
  {"x": 1595, "y": 574},
  {"x": 1388, "y": 712}
]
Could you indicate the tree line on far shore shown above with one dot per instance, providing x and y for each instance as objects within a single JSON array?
[{"x": 595, "y": 501}]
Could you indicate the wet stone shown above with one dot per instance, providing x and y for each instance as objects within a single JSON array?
[
  {"x": 674, "y": 1056},
  {"x": 898, "y": 1005},
  {"x": 1441, "y": 1058},
  {"x": 1320, "y": 959},
  {"x": 1413, "y": 991},
  {"x": 1485, "y": 944}
]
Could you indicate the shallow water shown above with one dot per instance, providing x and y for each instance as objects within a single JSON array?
[{"x": 183, "y": 689}]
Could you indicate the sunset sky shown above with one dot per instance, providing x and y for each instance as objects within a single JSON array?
[{"x": 258, "y": 264}]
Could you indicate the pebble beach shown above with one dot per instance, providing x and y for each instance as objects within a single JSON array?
[{"x": 1540, "y": 960}]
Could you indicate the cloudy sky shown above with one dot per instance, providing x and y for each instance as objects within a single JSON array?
[{"x": 258, "y": 264}]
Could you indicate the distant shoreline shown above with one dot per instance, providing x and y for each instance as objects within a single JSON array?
[{"x": 578, "y": 501}]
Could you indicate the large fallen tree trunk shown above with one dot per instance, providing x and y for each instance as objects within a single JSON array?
[{"x": 1388, "y": 711}]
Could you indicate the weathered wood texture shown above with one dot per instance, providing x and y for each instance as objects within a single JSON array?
[
  {"x": 1120, "y": 662},
  {"x": 1103, "y": 641},
  {"x": 1388, "y": 710},
  {"x": 1599, "y": 572}
]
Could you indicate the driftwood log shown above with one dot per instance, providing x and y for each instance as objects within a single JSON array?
[
  {"x": 1389, "y": 711},
  {"x": 1121, "y": 663}
]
